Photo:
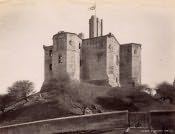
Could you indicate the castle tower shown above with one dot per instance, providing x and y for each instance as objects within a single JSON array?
[
  {"x": 100, "y": 60},
  {"x": 63, "y": 58},
  {"x": 48, "y": 62},
  {"x": 95, "y": 27},
  {"x": 130, "y": 64}
]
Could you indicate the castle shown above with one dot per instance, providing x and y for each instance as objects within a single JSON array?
[{"x": 99, "y": 59}]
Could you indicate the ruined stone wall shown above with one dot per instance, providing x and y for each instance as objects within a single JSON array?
[{"x": 113, "y": 60}]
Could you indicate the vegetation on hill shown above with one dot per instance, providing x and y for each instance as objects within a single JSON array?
[
  {"x": 166, "y": 91},
  {"x": 20, "y": 90},
  {"x": 132, "y": 99},
  {"x": 64, "y": 98}
]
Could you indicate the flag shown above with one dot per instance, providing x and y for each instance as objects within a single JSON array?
[{"x": 92, "y": 7}]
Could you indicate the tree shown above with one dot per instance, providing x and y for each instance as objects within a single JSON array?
[
  {"x": 166, "y": 91},
  {"x": 21, "y": 89},
  {"x": 4, "y": 102}
]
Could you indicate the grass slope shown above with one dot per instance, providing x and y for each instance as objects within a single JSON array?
[{"x": 60, "y": 99}]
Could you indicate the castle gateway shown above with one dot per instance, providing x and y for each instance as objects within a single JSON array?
[{"x": 99, "y": 59}]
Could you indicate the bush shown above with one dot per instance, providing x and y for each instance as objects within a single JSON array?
[
  {"x": 166, "y": 91},
  {"x": 5, "y": 101},
  {"x": 132, "y": 99},
  {"x": 21, "y": 89}
]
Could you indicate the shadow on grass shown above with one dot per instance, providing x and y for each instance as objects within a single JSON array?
[
  {"x": 112, "y": 103},
  {"x": 33, "y": 112}
]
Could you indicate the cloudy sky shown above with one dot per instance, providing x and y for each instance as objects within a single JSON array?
[{"x": 27, "y": 25}]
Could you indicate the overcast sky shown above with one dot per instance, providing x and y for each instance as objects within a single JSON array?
[{"x": 27, "y": 25}]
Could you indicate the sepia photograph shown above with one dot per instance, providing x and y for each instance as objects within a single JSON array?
[{"x": 87, "y": 67}]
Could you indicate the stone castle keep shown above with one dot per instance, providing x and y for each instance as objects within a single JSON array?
[{"x": 99, "y": 59}]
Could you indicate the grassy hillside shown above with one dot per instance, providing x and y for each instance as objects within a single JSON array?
[
  {"x": 59, "y": 100},
  {"x": 66, "y": 98}
]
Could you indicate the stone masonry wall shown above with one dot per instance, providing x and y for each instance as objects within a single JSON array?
[
  {"x": 100, "y": 60},
  {"x": 47, "y": 62},
  {"x": 125, "y": 65},
  {"x": 136, "y": 63},
  {"x": 59, "y": 55},
  {"x": 93, "y": 59},
  {"x": 113, "y": 61},
  {"x": 73, "y": 56},
  {"x": 66, "y": 56},
  {"x": 130, "y": 64}
]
